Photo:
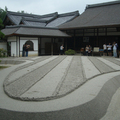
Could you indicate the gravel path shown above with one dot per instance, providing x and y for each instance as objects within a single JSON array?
[{"x": 50, "y": 77}]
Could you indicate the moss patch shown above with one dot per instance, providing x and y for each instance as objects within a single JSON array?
[{"x": 2, "y": 67}]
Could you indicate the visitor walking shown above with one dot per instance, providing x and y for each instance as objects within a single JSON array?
[
  {"x": 105, "y": 49},
  {"x": 86, "y": 49},
  {"x": 109, "y": 49},
  {"x": 26, "y": 49},
  {"x": 62, "y": 50},
  {"x": 90, "y": 51},
  {"x": 115, "y": 49}
]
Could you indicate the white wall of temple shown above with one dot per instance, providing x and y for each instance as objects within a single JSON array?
[
  {"x": 17, "y": 45},
  {"x": 13, "y": 41},
  {"x": 18, "y": 42},
  {"x": 33, "y": 52},
  {"x": 13, "y": 49}
]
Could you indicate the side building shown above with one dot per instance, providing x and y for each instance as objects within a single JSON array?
[{"x": 40, "y": 32}]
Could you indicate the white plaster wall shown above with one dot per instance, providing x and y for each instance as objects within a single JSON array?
[
  {"x": 13, "y": 45},
  {"x": 23, "y": 40},
  {"x": 13, "y": 48}
]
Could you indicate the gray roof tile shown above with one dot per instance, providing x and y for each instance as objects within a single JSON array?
[
  {"x": 16, "y": 17},
  {"x": 49, "y": 20},
  {"x": 63, "y": 18},
  {"x": 106, "y": 14},
  {"x": 33, "y": 31}
]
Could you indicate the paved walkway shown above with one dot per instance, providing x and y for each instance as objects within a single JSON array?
[{"x": 59, "y": 87}]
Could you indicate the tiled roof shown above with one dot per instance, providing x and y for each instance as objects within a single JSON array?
[
  {"x": 63, "y": 18},
  {"x": 97, "y": 15},
  {"x": 33, "y": 31},
  {"x": 16, "y": 17},
  {"x": 49, "y": 20},
  {"x": 33, "y": 22}
]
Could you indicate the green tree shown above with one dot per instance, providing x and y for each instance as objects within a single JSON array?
[
  {"x": 1, "y": 26},
  {"x": 3, "y": 13},
  {"x": 2, "y": 16}
]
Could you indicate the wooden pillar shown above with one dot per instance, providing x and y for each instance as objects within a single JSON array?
[
  {"x": 39, "y": 46},
  {"x": 97, "y": 37},
  {"x": 94, "y": 32},
  {"x": 65, "y": 43},
  {"x": 19, "y": 46},
  {"x": 105, "y": 35},
  {"x": 83, "y": 33},
  {"x": 52, "y": 46},
  {"x": 74, "y": 39}
]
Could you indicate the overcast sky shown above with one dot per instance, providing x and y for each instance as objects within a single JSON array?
[{"x": 42, "y": 7}]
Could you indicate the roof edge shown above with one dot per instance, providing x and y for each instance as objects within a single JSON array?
[
  {"x": 33, "y": 20},
  {"x": 90, "y": 27},
  {"x": 69, "y": 14},
  {"x": 102, "y": 4},
  {"x": 25, "y": 26},
  {"x": 49, "y": 15},
  {"x": 22, "y": 14}
]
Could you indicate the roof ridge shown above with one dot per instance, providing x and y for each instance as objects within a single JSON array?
[
  {"x": 23, "y": 14},
  {"x": 16, "y": 30},
  {"x": 49, "y": 15},
  {"x": 33, "y": 19},
  {"x": 25, "y": 26},
  {"x": 102, "y": 4},
  {"x": 69, "y": 13}
]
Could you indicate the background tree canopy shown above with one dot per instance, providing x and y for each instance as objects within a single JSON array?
[
  {"x": 3, "y": 13},
  {"x": 1, "y": 26},
  {"x": 2, "y": 16}
]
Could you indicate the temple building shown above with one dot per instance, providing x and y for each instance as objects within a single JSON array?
[{"x": 98, "y": 24}]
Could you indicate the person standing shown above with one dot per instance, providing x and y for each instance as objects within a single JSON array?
[
  {"x": 26, "y": 49},
  {"x": 61, "y": 49},
  {"x": 114, "y": 49},
  {"x": 109, "y": 48},
  {"x": 90, "y": 51},
  {"x": 105, "y": 49},
  {"x": 86, "y": 49}
]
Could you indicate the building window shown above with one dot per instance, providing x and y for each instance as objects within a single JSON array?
[{"x": 31, "y": 44}]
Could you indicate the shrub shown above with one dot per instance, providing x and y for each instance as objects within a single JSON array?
[
  {"x": 2, "y": 52},
  {"x": 70, "y": 52}
]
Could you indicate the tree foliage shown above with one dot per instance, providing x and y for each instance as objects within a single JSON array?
[
  {"x": 1, "y": 26},
  {"x": 3, "y": 13},
  {"x": 2, "y": 16}
]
